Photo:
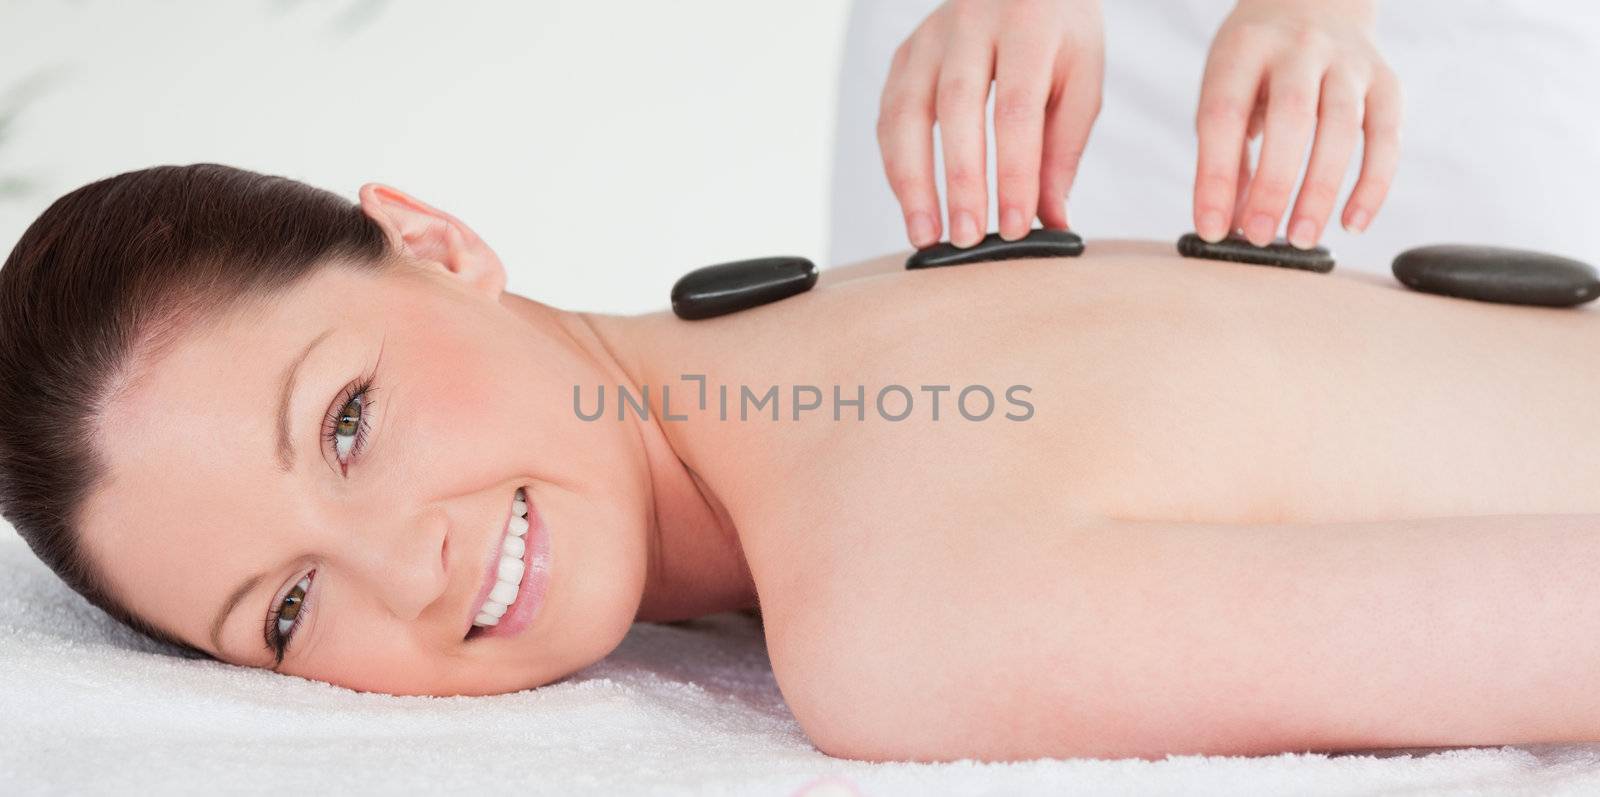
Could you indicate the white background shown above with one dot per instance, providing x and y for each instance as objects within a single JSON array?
[{"x": 601, "y": 148}]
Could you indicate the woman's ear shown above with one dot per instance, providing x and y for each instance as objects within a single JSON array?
[{"x": 427, "y": 233}]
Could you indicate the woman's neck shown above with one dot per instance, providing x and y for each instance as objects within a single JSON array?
[{"x": 696, "y": 563}]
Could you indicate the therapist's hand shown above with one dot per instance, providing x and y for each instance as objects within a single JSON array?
[
  {"x": 1046, "y": 58},
  {"x": 1287, "y": 69}
]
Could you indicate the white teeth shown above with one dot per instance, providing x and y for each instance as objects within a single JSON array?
[
  {"x": 493, "y": 610},
  {"x": 509, "y": 570},
  {"x": 514, "y": 546},
  {"x": 503, "y": 592}
]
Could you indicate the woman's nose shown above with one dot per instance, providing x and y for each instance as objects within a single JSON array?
[{"x": 401, "y": 560}]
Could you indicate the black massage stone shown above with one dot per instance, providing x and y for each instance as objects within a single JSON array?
[
  {"x": 1497, "y": 274},
  {"x": 1236, "y": 249},
  {"x": 1037, "y": 243},
  {"x": 740, "y": 285}
]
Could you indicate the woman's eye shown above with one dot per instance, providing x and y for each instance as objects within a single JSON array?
[
  {"x": 347, "y": 427},
  {"x": 286, "y": 616}
]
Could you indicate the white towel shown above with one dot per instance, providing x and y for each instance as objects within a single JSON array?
[{"x": 690, "y": 709}]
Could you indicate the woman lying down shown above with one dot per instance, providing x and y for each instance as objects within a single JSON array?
[{"x": 1125, "y": 504}]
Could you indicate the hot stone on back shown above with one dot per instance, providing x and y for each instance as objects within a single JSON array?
[
  {"x": 1037, "y": 243},
  {"x": 1236, "y": 249},
  {"x": 725, "y": 288},
  {"x": 1497, "y": 274}
]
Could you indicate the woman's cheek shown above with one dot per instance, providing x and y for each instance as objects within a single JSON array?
[{"x": 373, "y": 660}]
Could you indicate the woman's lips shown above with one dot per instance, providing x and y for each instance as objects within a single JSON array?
[{"x": 535, "y": 577}]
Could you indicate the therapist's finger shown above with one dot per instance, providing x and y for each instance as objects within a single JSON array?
[
  {"x": 1246, "y": 165},
  {"x": 1227, "y": 98},
  {"x": 1338, "y": 124},
  {"x": 1243, "y": 186},
  {"x": 905, "y": 140},
  {"x": 1070, "y": 116},
  {"x": 1293, "y": 92},
  {"x": 1381, "y": 153},
  {"x": 960, "y": 100},
  {"x": 1022, "y": 81}
]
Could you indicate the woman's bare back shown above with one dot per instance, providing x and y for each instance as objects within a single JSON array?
[{"x": 1161, "y": 389}]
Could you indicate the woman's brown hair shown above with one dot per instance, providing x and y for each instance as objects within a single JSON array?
[{"x": 117, "y": 266}]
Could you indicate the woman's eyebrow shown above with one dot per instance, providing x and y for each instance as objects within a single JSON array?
[
  {"x": 228, "y": 607},
  {"x": 285, "y": 441}
]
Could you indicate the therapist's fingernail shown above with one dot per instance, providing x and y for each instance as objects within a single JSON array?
[
  {"x": 1358, "y": 222},
  {"x": 922, "y": 234},
  {"x": 1012, "y": 226},
  {"x": 1212, "y": 226},
  {"x": 1303, "y": 234},
  {"x": 966, "y": 230},
  {"x": 1259, "y": 229}
]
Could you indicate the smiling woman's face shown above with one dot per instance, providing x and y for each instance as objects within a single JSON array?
[{"x": 417, "y": 401}]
